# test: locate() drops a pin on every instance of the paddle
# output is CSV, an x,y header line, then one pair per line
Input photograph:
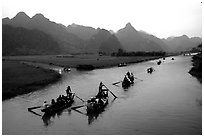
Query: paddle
x,y
138,78
34,113
80,112
117,82
79,98
111,92
78,106
29,109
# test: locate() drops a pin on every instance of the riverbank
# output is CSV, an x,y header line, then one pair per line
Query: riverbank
x,y
196,70
18,79
73,61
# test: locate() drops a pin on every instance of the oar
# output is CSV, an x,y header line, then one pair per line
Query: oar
x,y
29,109
34,113
78,106
79,98
138,78
80,112
111,92
117,82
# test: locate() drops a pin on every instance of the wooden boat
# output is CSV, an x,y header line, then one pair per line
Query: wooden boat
x,y
150,70
58,106
67,69
128,81
97,103
94,107
122,64
159,62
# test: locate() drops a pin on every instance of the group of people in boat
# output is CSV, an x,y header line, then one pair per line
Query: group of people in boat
x,y
61,100
100,99
128,79
150,70
159,62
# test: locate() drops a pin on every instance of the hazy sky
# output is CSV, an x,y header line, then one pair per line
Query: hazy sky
x,y
162,18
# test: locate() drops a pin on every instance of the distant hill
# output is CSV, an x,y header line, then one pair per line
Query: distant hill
x,y
81,39
196,40
132,40
68,42
82,32
21,41
153,38
103,41
110,45
182,43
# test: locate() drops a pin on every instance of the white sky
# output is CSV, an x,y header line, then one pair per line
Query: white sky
x,y
162,18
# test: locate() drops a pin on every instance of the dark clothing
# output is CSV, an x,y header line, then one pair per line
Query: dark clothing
x,y
68,91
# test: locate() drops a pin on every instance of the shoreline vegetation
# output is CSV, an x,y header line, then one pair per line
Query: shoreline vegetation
x,y
196,70
18,79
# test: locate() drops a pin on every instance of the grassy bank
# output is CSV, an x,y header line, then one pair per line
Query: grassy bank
x,y
18,79
73,61
196,70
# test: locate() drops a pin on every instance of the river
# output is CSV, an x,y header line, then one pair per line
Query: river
x,y
168,101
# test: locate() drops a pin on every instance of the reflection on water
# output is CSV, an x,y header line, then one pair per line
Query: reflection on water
x,y
48,119
169,101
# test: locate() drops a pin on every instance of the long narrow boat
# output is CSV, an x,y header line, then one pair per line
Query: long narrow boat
x,y
159,62
127,81
97,103
58,106
150,70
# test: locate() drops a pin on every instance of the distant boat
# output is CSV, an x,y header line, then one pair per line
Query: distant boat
x,y
122,64
159,62
150,70
67,69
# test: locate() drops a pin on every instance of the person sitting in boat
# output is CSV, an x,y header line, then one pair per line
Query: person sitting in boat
x,y
100,86
59,99
132,77
128,74
126,79
96,100
105,93
101,91
101,102
53,102
68,91
63,99
45,104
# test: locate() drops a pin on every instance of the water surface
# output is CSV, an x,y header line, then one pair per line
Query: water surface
x,y
168,101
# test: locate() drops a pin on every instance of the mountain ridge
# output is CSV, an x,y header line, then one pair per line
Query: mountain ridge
x,y
79,39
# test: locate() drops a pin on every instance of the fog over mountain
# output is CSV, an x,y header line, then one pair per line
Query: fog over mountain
x,y
103,41
80,39
182,43
132,40
82,32
153,38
